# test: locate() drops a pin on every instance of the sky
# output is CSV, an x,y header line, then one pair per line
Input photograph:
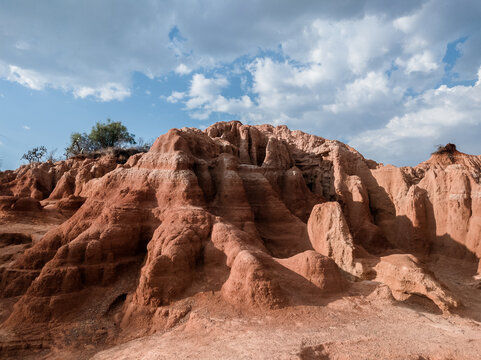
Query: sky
x,y
393,79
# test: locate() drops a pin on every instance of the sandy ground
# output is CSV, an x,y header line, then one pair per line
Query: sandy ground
x,y
348,328
363,323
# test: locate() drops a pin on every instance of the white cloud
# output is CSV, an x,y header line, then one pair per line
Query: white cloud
x,y
26,127
350,69
283,92
204,97
25,77
107,92
90,48
175,97
204,90
423,62
345,47
405,23
89,45
372,90
370,75
36,81
183,69
437,116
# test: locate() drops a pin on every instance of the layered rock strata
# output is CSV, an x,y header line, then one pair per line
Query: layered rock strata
x,y
266,216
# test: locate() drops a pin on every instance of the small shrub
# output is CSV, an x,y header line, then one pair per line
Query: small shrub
x,y
52,157
447,149
35,155
79,144
143,145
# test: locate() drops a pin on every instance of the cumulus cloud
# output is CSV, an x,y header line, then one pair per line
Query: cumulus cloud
x,y
204,98
204,90
84,47
438,116
183,69
356,70
370,91
374,80
25,77
423,62
89,49
107,92
175,97
37,81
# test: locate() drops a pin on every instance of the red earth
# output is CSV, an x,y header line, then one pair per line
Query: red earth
x,y
252,242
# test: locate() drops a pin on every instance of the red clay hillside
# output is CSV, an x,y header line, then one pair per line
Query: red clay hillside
x,y
235,226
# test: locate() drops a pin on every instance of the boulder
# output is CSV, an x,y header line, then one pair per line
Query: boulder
x,y
330,236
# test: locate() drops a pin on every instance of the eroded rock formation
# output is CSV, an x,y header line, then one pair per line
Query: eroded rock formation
x,y
330,236
266,216
405,276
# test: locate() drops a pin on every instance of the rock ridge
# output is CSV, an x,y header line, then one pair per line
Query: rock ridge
x,y
265,216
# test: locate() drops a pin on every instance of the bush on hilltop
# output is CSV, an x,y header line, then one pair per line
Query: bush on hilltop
x,y
102,136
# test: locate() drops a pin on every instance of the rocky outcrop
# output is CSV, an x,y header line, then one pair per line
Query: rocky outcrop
x,y
54,180
405,277
258,280
330,236
433,207
262,215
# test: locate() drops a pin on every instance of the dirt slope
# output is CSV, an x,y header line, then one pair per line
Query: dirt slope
x,y
268,224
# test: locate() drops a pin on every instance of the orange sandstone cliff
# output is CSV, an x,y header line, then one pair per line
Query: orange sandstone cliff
x,y
261,217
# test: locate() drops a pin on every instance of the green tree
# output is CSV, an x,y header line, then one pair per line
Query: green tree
x,y
102,136
110,134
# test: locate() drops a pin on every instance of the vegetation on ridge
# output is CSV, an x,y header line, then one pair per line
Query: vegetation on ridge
x,y
104,137
447,149
35,155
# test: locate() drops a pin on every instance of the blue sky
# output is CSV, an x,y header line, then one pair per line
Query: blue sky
x,y
392,79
